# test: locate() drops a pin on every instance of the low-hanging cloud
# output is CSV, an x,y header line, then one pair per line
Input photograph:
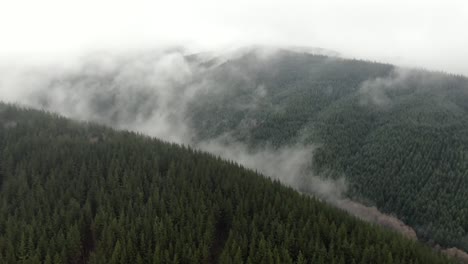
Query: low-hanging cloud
x,y
375,91
151,93
412,33
404,84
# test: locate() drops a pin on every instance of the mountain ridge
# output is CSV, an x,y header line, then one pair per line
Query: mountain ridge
x,y
383,128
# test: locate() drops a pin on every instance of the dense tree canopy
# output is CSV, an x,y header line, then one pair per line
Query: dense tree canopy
x,y
398,135
80,193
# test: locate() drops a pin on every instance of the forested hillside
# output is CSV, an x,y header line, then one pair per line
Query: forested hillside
x,y
398,137
80,193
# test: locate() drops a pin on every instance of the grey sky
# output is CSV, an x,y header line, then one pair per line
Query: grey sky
x,y
430,34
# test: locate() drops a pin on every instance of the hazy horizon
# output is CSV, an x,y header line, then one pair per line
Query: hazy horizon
x,y
421,34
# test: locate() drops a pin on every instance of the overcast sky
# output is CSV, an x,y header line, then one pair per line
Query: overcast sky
x,y
430,34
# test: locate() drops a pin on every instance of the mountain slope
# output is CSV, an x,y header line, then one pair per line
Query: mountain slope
x,y
397,137
80,193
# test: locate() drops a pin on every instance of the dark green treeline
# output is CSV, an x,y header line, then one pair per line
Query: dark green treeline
x,y
81,193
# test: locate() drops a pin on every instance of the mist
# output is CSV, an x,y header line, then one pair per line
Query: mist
x,y
143,65
425,34
150,92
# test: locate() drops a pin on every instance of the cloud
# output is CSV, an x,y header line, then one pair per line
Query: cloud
x,y
150,93
410,33
375,91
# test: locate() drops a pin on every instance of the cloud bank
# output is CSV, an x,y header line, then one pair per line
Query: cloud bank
x,y
151,92
411,33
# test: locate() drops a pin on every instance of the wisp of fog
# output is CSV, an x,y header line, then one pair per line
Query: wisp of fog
x,y
150,92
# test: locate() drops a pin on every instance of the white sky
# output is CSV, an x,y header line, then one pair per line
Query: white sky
x,y
430,34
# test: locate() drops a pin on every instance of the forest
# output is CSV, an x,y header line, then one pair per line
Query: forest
x,y
398,136
78,192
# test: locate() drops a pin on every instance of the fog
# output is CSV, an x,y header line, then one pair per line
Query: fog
x,y
427,34
374,91
109,62
150,93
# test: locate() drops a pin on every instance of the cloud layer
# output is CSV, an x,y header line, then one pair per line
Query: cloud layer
x,y
413,33
151,92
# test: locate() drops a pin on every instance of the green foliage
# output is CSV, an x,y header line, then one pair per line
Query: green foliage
x,y
81,193
399,136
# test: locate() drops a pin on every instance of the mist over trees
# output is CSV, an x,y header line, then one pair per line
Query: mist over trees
x,y
396,137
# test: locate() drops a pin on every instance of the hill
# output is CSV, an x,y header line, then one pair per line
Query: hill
x,y
399,136
76,192
385,136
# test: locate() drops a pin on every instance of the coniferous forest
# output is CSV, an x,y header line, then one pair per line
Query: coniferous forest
x,y
75,192
399,136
